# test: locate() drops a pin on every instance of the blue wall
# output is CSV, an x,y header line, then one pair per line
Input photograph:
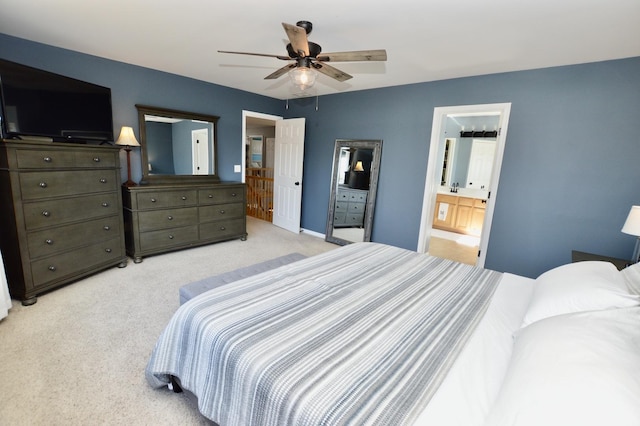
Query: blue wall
x,y
571,163
571,168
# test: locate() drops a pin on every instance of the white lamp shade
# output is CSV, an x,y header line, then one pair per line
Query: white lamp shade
x,y
303,77
127,137
632,224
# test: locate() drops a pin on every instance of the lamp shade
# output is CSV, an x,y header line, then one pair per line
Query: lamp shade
x,y
358,167
303,77
127,138
632,224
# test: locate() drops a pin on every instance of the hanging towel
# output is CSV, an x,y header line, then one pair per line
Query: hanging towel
x,y
442,211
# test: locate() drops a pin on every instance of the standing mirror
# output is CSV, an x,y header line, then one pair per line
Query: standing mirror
x,y
354,181
177,145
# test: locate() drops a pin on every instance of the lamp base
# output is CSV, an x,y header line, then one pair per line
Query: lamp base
x,y
129,182
635,258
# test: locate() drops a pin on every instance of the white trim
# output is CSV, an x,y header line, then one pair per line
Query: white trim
x,y
432,181
313,233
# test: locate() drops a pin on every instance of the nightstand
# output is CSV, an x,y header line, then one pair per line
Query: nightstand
x,y
579,256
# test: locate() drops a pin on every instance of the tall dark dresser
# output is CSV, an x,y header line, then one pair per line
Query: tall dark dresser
x,y
60,214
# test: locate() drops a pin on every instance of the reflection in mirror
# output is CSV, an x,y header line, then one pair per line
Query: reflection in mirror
x,y
177,145
354,182
468,154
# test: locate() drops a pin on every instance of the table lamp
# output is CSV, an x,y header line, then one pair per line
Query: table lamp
x,y
127,139
632,227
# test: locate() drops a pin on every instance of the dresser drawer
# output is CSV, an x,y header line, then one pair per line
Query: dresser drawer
x,y
221,211
36,185
53,240
221,195
163,199
354,219
168,218
70,263
342,207
57,159
47,213
356,208
166,238
222,229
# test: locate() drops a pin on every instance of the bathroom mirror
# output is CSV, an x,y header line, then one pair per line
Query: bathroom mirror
x,y
468,155
354,182
177,145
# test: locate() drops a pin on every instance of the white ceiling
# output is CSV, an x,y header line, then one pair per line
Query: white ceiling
x,y
426,40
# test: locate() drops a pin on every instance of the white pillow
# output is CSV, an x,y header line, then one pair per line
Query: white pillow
x,y
575,369
632,276
575,287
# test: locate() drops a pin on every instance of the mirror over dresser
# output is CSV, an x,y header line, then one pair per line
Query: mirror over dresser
x,y
180,202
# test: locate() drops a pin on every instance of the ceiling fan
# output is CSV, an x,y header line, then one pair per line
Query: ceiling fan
x,y
307,56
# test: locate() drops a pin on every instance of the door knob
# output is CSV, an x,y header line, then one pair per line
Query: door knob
x,y
297,184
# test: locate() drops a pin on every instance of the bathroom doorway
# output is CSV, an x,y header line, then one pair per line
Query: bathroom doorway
x,y
451,200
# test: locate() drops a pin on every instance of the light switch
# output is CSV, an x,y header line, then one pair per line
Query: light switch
x,y
237,168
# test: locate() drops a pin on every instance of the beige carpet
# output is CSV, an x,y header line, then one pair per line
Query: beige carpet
x,y
77,357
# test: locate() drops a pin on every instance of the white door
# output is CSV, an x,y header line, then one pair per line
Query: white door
x,y
287,174
481,164
200,151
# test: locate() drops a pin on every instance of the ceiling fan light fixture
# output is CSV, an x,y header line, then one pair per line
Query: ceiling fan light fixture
x,y
303,77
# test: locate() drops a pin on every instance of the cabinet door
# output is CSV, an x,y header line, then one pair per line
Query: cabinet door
x,y
477,220
463,217
445,212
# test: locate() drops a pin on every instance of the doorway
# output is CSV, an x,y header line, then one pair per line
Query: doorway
x,y
441,196
258,135
275,188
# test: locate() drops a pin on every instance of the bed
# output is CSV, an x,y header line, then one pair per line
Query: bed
x,y
373,334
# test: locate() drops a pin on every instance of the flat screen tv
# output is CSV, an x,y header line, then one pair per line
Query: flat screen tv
x,y
43,104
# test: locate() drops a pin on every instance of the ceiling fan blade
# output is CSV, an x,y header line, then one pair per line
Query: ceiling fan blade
x,y
298,38
357,55
331,71
280,72
284,58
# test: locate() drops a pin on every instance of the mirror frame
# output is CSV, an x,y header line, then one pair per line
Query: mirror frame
x,y
376,146
172,113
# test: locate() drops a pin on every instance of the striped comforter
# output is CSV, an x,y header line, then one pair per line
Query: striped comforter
x,y
362,334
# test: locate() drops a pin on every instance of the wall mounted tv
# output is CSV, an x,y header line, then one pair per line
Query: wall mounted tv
x,y
43,104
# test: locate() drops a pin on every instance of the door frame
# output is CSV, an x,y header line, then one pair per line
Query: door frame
x,y
434,170
252,114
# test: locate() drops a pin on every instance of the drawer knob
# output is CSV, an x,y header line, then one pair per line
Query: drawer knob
x,y
233,194
47,159
105,204
52,268
48,241
210,195
106,228
183,198
222,228
103,180
170,217
221,211
43,184
153,200
46,213
107,250
170,237
96,159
